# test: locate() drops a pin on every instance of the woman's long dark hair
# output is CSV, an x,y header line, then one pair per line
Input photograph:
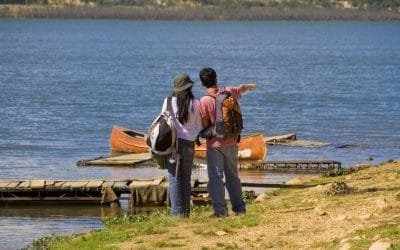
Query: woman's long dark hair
x,y
183,100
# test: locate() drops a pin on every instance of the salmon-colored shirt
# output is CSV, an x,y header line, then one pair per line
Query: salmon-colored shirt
x,y
207,112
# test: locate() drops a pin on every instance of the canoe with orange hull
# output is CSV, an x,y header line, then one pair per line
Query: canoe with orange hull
x,y
123,140
250,147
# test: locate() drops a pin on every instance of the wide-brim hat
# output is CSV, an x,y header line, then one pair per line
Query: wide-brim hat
x,y
182,82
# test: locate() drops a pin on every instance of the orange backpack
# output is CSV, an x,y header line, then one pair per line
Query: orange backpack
x,y
228,122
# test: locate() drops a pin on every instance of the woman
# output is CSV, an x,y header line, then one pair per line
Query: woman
x,y
186,109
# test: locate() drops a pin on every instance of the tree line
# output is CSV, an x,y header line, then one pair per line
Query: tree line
x,y
388,5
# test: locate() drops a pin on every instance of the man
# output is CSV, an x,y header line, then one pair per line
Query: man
x,y
222,154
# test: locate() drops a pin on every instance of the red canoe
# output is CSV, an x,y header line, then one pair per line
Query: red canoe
x,y
123,140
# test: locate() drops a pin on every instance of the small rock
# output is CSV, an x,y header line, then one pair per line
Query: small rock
x,y
357,238
344,241
298,180
341,218
309,200
319,211
382,204
380,245
345,246
365,216
398,196
221,233
377,237
261,197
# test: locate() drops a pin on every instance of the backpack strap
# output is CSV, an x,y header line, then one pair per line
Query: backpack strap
x,y
175,154
169,104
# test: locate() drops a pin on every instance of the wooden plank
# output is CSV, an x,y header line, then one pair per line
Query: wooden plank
x,y
146,182
94,184
122,160
120,184
72,184
37,184
108,184
58,184
279,138
4,184
78,184
24,184
13,184
303,143
49,183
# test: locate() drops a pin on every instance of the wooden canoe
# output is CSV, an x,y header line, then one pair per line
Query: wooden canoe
x,y
251,147
124,140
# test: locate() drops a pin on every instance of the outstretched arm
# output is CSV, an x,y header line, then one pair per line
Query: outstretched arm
x,y
247,87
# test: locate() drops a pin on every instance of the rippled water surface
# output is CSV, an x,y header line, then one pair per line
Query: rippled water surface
x,y
64,83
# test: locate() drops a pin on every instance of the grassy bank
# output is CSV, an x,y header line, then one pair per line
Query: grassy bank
x,y
191,13
351,211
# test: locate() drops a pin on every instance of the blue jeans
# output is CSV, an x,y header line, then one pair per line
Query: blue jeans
x,y
179,186
222,161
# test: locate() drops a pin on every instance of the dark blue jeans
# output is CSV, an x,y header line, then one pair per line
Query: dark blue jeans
x,y
223,161
180,185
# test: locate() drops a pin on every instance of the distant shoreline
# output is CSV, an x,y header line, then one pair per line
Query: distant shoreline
x,y
193,13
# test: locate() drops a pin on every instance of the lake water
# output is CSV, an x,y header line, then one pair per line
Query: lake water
x,y
65,83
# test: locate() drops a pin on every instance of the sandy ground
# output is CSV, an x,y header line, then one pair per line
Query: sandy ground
x,y
321,217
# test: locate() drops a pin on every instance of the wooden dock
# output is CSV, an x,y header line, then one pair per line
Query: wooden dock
x,y
291,140
128,160
141,192
293,165
100,192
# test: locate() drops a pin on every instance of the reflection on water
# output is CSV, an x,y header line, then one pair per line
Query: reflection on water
x,y
59,211
28,223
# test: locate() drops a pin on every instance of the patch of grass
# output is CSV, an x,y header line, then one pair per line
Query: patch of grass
x,y
326,245
209,226
228,224
249,196
198,213
390,231
119,229
260,238
205,232
94,240
223,245
166,244
278,192
175,237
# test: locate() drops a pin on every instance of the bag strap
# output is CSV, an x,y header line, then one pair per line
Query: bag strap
x,y
174,152
169,104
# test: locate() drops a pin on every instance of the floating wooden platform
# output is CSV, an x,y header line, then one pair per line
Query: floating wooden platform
x,y
291,140
82,191
121,160
293,165
130,160
142,192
